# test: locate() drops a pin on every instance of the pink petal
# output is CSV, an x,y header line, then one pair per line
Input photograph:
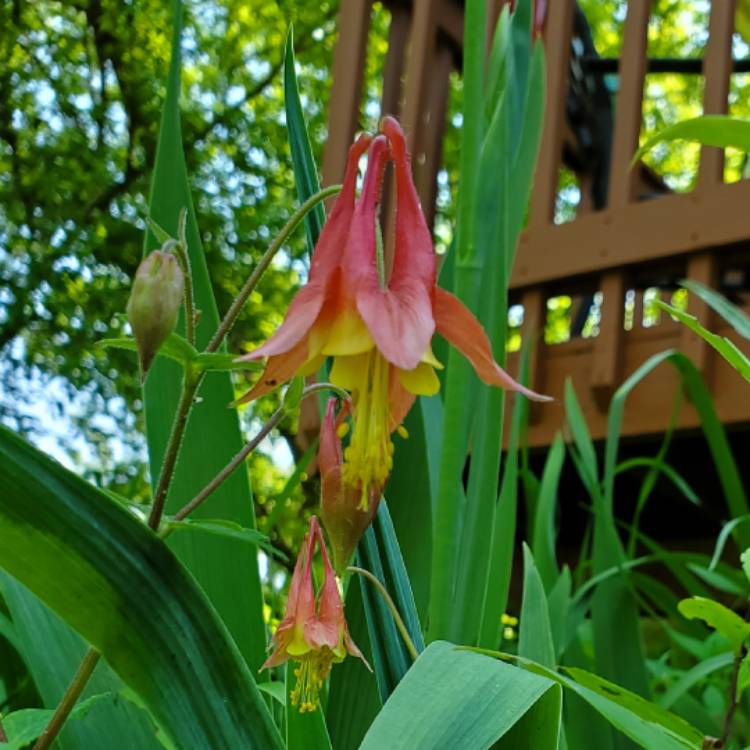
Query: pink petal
x,y
457,324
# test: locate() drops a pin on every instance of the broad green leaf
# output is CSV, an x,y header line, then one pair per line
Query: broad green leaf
x,y
723,345
642,721
745,560
735,316
718,617
466,700
175,347
535,637
117,583
226,569
24,726
227,529
218,361
709,130
743,676
52,666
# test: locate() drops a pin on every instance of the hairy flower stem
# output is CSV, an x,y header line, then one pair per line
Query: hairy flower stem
x,y
411,648
246,450
85,670
252,280
184,258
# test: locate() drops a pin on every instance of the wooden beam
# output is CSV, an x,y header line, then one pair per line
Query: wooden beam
x,y
607,357
640,232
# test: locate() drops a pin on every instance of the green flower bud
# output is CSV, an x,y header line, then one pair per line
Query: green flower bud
x,y
154,303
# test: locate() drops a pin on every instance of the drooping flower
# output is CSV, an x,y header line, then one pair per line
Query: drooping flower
x,y
313,632
377,328
340,511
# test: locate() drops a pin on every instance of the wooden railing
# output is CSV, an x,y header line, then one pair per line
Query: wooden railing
x,y
630,244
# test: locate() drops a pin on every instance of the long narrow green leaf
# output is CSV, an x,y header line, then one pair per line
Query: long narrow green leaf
x,y
724,346
304,731
710,130
544,540
735,316
303,163
447,523
693,676
226,569
119,585
535,637
465,700
378,552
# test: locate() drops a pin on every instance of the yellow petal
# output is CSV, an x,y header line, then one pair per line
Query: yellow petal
x,y
312,365
429,358
421,381
347,335
347,372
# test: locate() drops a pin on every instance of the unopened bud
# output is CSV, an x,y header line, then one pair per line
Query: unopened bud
x,y
154,303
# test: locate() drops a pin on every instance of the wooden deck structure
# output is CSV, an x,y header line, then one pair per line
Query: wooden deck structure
x,y
631,244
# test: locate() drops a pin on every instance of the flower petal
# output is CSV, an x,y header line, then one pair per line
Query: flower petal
x,y
399,399
278,370
421,381
456,323
414,255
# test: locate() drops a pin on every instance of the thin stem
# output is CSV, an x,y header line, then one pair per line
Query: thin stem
x,y
739,656
274,247
247,449
189,389
389,602
72,694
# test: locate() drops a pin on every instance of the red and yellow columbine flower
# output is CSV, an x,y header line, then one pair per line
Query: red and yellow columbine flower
x,y
378,330
340,503
313,632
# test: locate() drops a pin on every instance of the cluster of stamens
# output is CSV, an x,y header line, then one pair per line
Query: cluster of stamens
x,y
311,672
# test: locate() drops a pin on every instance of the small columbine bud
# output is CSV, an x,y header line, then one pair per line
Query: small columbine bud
x,y
313,632
154,303
344,517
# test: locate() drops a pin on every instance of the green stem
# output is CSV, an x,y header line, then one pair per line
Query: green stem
x,y
72,694
189,388
3,736
727,730
391,606
252,280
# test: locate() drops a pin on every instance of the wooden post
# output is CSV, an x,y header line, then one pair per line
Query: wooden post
x,y
717,67
557,33
608,346
346,91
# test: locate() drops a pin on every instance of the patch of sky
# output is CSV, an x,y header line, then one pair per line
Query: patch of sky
x,y
235,95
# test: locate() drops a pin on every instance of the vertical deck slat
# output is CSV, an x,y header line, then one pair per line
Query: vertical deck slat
x,y
632,71
717,68
346,92
532,336
557,33
398,37
609,344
